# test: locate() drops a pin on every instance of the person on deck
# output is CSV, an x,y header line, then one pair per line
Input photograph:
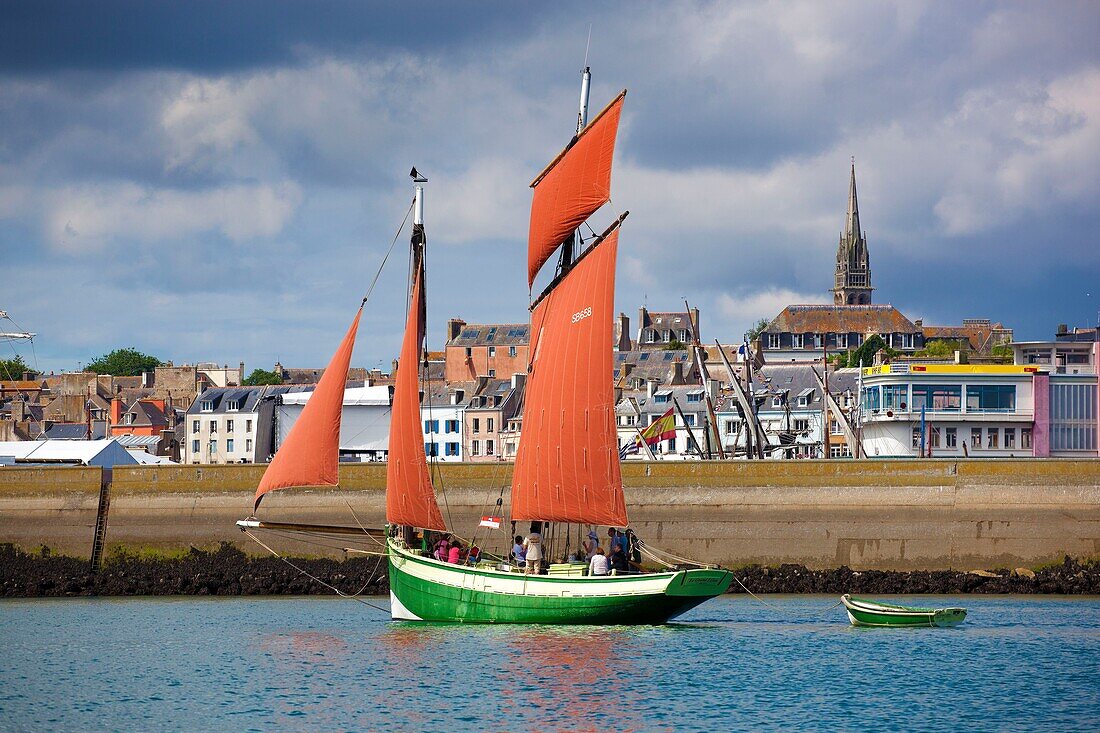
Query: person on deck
x,y
533,545
519,552
617,539
454,554
619,562
598,564
442,549
590,545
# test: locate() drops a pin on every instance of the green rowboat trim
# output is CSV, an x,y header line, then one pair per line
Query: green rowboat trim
x,y
862,612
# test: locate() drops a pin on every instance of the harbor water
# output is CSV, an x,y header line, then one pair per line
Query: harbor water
x,y
248,664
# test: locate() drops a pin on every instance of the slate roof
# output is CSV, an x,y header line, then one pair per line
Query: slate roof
x,y
66,431
492,334
980,336
247,396
841,319
792,380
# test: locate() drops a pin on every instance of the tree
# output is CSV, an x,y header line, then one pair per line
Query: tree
x,y
675,345
940,348
757,329
123,363
865,354
260,377
13,368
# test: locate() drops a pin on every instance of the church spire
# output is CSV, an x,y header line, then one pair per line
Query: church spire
x,y
851,224
852,284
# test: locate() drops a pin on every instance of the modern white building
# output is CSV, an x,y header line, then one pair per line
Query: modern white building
x,y
364,424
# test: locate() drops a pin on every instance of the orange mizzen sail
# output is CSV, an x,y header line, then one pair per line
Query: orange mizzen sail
x,y
567,468
310,455
572,187
410,498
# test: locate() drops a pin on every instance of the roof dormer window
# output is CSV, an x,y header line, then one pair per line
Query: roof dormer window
x,y
207,406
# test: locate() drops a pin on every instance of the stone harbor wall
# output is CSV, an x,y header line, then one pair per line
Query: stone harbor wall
x,y
866,515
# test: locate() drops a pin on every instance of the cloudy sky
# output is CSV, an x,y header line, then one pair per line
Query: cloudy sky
x,y
219,181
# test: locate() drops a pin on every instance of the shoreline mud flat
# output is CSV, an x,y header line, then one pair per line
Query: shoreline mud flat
x,y
228,571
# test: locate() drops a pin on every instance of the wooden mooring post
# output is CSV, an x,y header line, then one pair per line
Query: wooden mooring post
x,y
100,535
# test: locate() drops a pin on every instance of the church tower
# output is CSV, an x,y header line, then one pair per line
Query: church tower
x,y
853,265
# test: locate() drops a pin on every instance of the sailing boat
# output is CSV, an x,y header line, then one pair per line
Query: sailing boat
x,y
567,467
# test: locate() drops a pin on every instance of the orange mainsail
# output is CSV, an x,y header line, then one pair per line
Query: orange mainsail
x,y
410,498
572,187
567,467
310,455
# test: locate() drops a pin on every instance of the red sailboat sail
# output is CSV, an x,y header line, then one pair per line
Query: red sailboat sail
x,y
410,498
567,467
572,187
310,455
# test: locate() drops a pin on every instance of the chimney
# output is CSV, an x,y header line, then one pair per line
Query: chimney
x,y
919,323
454,327
146,380
18,411
694,315
677,373
627,369
643,316
240,373
650,388
482,380
518,380
1063,329
116,410
624,333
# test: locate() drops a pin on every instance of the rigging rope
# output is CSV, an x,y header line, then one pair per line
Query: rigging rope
x,y
378,274
337,591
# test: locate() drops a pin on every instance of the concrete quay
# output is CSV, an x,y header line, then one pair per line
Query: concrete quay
x,y
887,515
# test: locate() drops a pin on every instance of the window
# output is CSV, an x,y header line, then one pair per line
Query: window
x,y
934,436
469,352
207,405
233,405
213,426
842,340
492,373
194,446
650,336
992,435
229,426
194,426
773,340
450,426
248,445
916,438
798,340
1010,438
229,445
818,340
894,396
839,451
512,351
431,450
248,426
689,419
907,341
951,438
975,438
671,445
451,449
695,397
801,425
805,397
475,448
731,427
990,397
1025,438
488,424
213,447
477,427
937,397
683,336
834,427
128,418
660,398
492,351
871,399
666,336
431,426
488,447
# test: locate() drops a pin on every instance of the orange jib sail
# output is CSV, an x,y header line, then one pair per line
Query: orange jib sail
x,y
567,468
572,187
310,455
410,498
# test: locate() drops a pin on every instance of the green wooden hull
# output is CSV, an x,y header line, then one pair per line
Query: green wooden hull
x,y
862,612
422,589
